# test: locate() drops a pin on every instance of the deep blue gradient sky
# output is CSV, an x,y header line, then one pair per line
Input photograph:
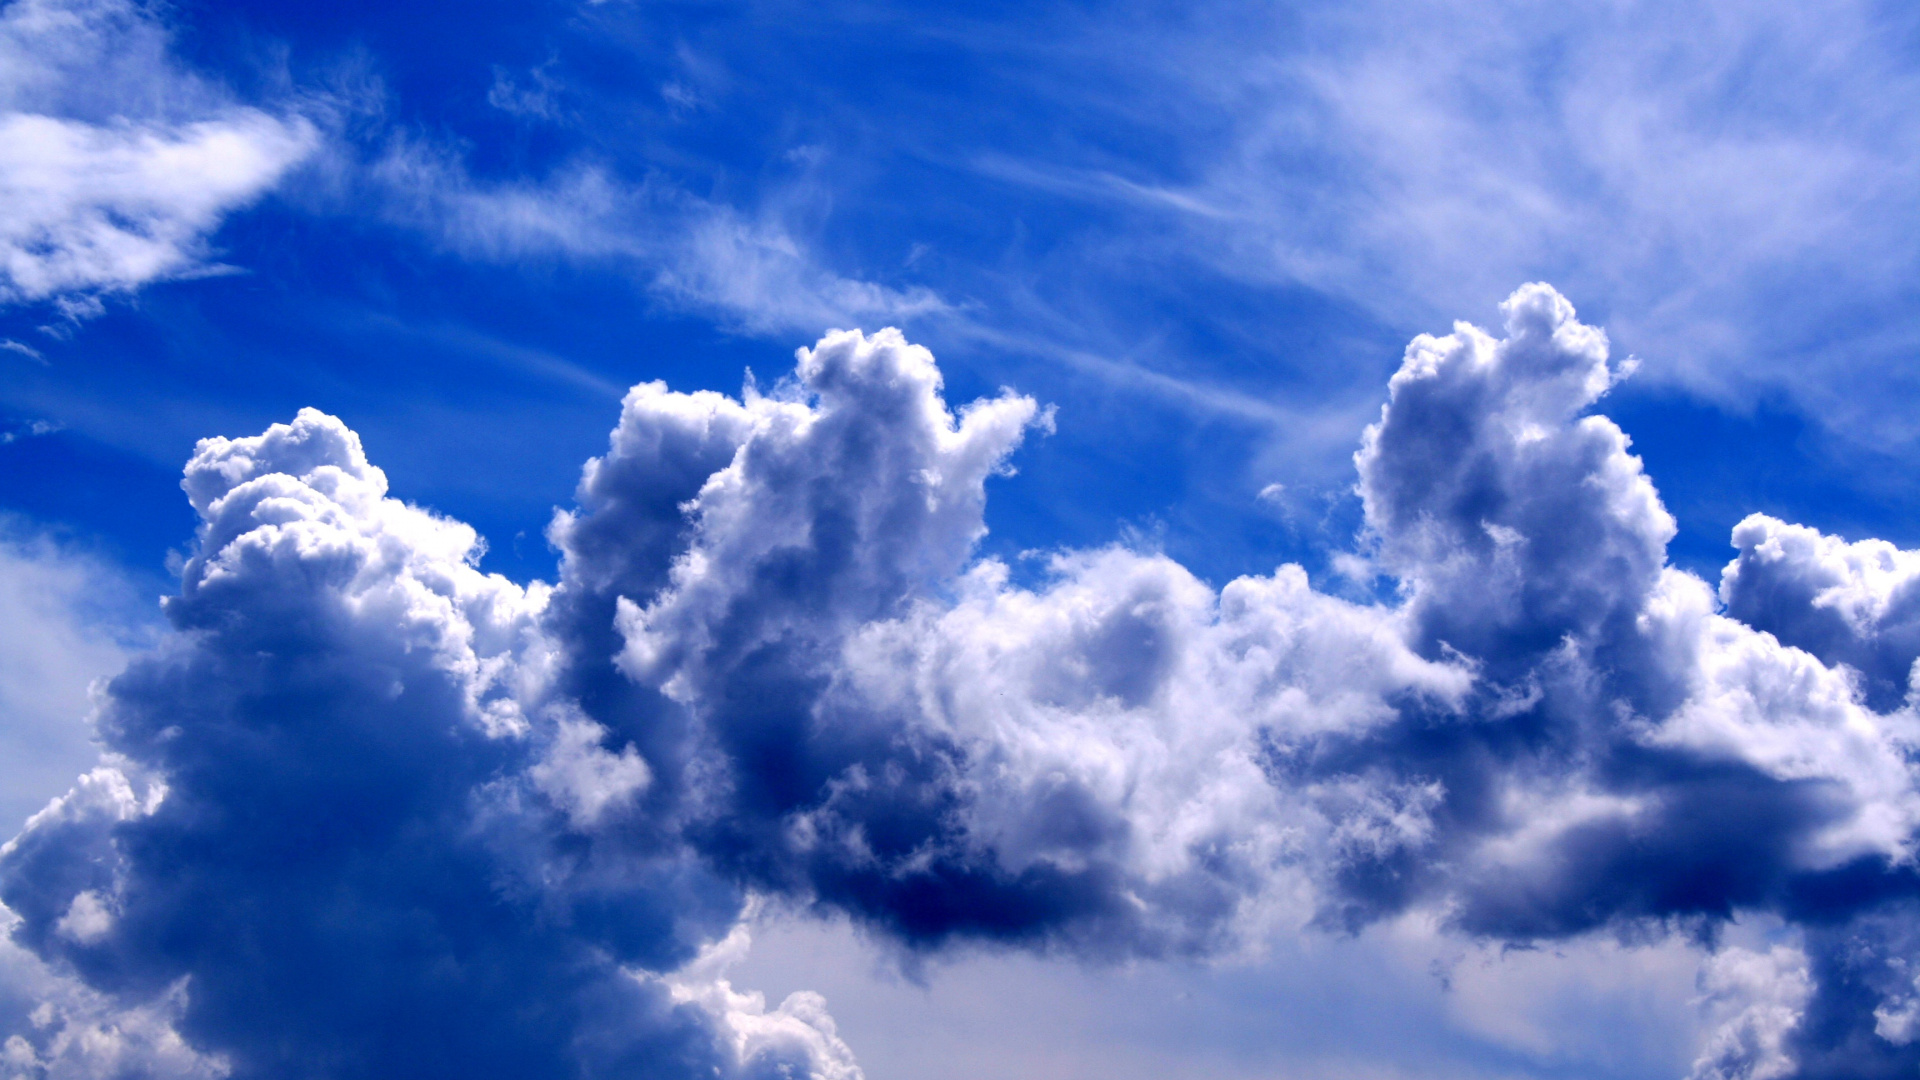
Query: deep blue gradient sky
x,y
1198,239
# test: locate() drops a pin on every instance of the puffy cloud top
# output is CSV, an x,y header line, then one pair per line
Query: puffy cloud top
x,y
369,810
1855,604
338,799
1513,520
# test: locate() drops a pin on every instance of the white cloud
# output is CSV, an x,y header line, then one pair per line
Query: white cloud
x,y
1102,730
583,778
537,97
73,1032
100,208
1855,604
751,271
1721,176
344,691
60,1028
1133,761
1897,1020
1782,711
116,165
775,664
1761,997
66,620
22,349
1511,519
798,1039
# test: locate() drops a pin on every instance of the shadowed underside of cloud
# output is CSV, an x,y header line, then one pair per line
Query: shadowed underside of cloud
x,y
334,809
371,811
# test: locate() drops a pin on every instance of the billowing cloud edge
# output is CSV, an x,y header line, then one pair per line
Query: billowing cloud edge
x,y
774,666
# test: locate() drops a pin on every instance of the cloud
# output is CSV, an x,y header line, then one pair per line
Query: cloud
x,y
530,817
60,1027
805,627
332,763
1555,734
769,1041
22,349
116,164
1718,176
537,101
1855,604
1513,521
1764,993
67,619
93,208
690,252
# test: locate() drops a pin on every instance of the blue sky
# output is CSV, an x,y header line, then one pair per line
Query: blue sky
x,y
1221,225
1183,249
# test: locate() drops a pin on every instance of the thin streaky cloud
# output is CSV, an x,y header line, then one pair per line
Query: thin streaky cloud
x,y
686,251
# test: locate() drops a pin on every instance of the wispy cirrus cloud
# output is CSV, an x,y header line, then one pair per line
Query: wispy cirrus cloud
x,y
751,271
1724,178
116,163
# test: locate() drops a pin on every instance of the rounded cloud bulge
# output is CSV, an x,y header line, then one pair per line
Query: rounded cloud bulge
x,y
368,810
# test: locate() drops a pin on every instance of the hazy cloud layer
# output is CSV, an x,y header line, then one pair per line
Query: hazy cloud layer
x,y
370,810
1740,159
67,618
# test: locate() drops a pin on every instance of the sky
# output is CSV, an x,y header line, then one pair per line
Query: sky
x,y
875,540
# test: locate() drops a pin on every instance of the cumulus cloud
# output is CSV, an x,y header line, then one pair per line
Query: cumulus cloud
x,y
1762,995
1553,734
1854,604
1514,522
936,751
61,1028
797,1038
116,165
328,800
530,817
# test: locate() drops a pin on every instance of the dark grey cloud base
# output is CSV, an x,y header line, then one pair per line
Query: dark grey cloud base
x,y
371,812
